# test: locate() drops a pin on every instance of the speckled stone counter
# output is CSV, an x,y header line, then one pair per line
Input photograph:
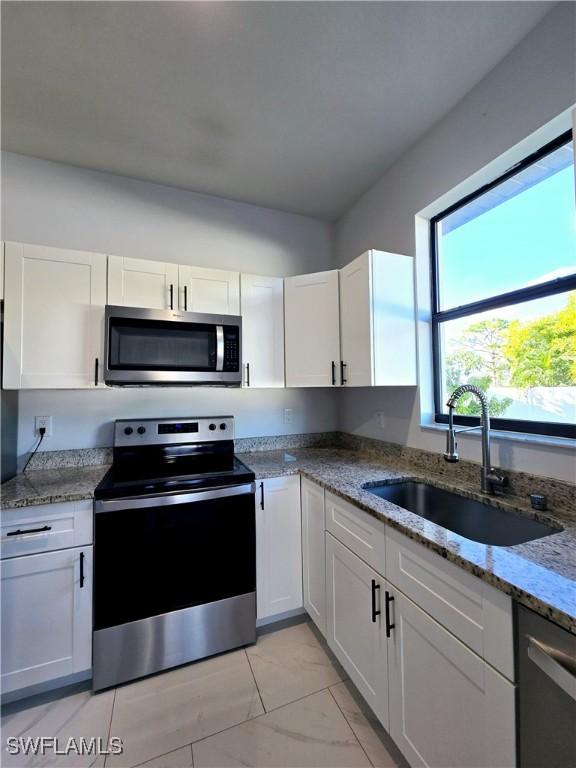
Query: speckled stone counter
x,y
540,574
49,486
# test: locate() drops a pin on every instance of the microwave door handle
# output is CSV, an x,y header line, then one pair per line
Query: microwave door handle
x,y
219,347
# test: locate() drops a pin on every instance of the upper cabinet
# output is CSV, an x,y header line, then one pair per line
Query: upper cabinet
x,y
262,304
53,317
312,330
216,291
142,283
377,321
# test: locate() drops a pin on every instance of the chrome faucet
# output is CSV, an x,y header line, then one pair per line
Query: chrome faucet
x,y
490,478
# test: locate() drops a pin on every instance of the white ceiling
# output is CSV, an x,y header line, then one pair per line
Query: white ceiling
x,y
299,106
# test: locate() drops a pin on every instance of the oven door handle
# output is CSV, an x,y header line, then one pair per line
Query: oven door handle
x,y
167,500
219,347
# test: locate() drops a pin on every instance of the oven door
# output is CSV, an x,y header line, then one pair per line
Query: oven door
x,y
147,347
157,555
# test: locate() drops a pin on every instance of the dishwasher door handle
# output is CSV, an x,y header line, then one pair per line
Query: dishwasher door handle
x,y
558,666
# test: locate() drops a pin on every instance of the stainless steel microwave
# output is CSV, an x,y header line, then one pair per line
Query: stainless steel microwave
x,y
147,347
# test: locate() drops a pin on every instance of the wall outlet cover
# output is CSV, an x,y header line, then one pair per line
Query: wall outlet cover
x,y
43,421
288,415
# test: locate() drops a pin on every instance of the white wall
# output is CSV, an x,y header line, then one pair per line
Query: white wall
x,y
69,207
530,87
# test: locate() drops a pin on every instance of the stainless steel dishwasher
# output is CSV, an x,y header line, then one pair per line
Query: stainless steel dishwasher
x,y
547,693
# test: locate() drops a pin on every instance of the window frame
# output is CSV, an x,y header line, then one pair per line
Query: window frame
x,y
438,316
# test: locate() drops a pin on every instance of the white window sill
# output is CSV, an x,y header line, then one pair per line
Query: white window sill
x,y
517,437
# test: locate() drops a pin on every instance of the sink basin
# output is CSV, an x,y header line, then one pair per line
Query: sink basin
x,y
466,517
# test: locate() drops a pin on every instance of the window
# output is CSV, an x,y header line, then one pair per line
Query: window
x,y
504,297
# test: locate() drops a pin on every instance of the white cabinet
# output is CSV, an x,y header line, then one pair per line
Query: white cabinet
x,y
142,283
377,321
278,546
363,534
313,552
215,291
53,317
312,330
262,307
355,623
46,616
447,706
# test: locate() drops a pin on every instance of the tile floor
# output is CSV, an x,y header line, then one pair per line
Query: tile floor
x,y
284,702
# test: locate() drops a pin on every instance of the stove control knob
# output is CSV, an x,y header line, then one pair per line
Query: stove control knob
x,y
141,430
212,427
128,430
222,426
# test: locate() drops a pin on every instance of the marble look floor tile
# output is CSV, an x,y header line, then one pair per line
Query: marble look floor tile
x,y
178,758
76,716
167,711
309,733
365,725
290,664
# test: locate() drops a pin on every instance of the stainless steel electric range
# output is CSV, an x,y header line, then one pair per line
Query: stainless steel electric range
x,y
174,548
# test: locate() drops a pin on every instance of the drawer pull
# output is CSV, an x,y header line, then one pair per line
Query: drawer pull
x,y
20,532
374,611
81,569
389,625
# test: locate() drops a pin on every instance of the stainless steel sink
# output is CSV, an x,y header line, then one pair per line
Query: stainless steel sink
x,y
466,517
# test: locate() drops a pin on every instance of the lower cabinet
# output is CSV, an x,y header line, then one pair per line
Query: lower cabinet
x,y
313,553
46,616
448,707
356,630
278,546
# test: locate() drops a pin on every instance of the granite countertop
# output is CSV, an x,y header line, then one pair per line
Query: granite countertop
x,y
540,574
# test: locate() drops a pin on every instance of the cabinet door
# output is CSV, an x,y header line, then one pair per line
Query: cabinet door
x,y
313,553
46,617
356,326
142,283
447,706
262,304
355,633
312,329
53,317
278,546
215,291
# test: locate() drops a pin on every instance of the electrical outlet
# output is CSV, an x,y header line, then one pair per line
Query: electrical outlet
x,y
287,415
43,421
381,417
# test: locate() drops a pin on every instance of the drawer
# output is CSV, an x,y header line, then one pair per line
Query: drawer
x,y
68,524
475,612
359,531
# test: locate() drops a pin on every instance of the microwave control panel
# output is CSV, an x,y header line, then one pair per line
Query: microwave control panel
x,y
231,349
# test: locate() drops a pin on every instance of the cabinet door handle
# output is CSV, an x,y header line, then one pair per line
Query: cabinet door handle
x,y
389,625
171,296
343,366
81,570
96,367
333,372
247,374
261,495
185,298
20,532
374,611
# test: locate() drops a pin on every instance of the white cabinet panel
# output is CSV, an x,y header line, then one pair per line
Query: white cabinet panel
x,y
358,641
377,320
313,552
447,706
53,317
46,617
278,546
363,534
477,613
142,283
216,291
45,527
262,306
312,330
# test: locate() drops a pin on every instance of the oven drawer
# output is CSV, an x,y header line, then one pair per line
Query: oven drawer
x,y
46,527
